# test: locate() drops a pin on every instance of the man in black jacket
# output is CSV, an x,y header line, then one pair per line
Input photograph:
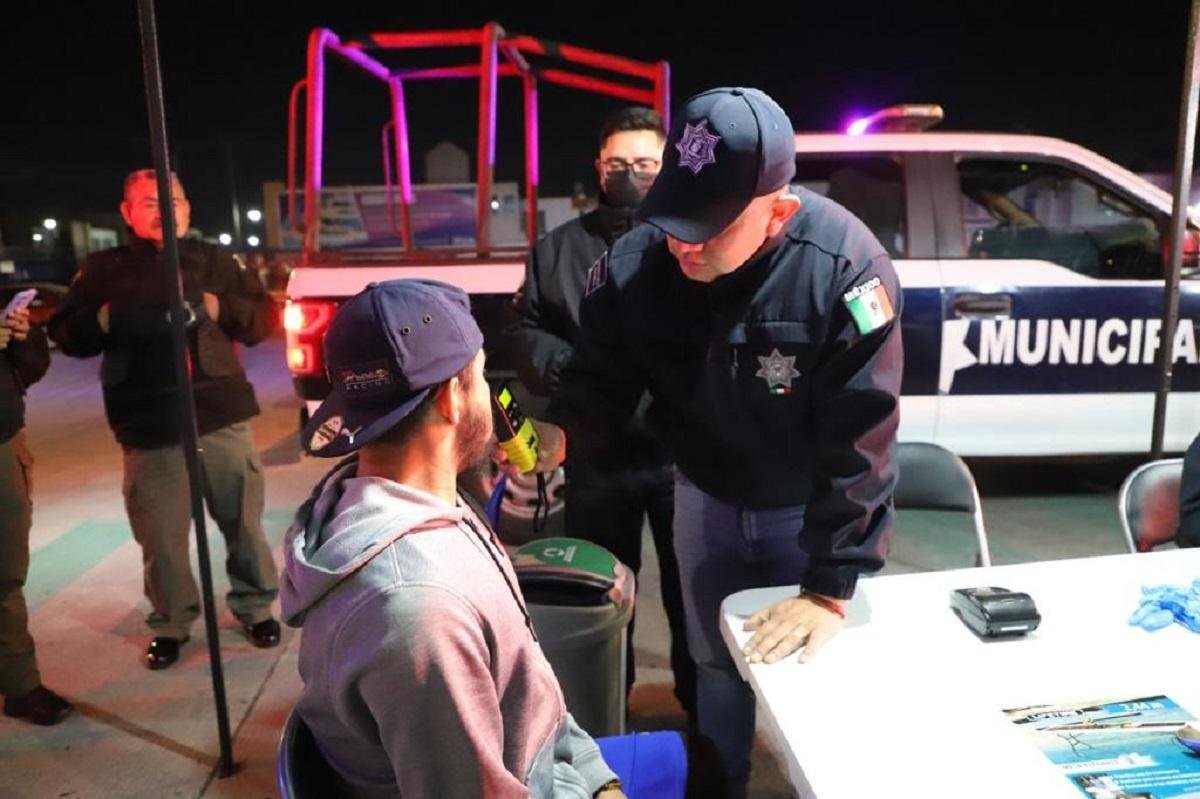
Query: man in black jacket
x,y
611,490
1188,534
117,305
24,358
765,324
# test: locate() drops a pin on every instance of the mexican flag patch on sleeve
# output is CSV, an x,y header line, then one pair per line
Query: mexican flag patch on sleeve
x,y
870,305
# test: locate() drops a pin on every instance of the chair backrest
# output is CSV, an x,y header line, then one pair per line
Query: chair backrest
x,y
301,770
1148,504
934,478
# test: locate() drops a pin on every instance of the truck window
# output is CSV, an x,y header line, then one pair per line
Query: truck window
x,y
870,187
1045,211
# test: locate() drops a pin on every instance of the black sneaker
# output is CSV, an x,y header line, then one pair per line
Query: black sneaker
x,y
162,652
263,634
41,706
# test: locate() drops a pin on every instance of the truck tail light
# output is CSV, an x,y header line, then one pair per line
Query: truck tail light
x,y
305,322
1191,249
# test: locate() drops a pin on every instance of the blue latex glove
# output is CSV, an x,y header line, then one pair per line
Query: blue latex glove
x,y
1163,604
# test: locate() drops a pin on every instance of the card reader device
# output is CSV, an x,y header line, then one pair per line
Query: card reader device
x,y
993,612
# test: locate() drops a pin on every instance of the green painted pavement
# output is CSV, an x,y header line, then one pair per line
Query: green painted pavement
x,y
57,564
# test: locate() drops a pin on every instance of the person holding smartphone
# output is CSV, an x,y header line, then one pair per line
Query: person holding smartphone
x,y
24,358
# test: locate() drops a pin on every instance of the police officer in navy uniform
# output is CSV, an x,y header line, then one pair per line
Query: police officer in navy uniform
x,y
764,322
1188,534
610,491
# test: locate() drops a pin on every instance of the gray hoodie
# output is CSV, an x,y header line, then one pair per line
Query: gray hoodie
x,y
422,676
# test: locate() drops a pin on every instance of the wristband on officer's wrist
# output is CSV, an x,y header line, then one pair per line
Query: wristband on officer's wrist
x,y
832,605
611,785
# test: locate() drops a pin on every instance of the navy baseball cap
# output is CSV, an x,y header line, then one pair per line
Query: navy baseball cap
x,y
727,146
386,348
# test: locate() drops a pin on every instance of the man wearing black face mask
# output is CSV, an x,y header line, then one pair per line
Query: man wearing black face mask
x,y
610,492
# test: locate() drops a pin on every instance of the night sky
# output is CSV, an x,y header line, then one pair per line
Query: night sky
x,y
72,103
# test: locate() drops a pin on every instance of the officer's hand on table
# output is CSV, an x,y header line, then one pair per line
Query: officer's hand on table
x,y
782,628
17,324
552,450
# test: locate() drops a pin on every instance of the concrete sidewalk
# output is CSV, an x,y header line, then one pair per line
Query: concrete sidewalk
x,y
139,733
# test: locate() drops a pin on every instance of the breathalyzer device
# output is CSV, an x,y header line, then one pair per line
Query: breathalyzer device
x,y
514,432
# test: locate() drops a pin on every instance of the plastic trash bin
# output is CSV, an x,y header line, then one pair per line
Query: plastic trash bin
x,y
580,598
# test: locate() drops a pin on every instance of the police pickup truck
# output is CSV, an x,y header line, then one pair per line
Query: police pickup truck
x,y
1032,272
1032,268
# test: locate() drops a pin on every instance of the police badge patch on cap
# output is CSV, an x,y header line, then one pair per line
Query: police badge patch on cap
x,y
697,147
326,433
597,276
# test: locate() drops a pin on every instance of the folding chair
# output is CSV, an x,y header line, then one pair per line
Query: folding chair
x,y
1148,504
934,478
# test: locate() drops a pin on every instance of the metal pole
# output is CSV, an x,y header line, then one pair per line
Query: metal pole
x,y
235,207
313,138
662,93
1184,154
187,411
485,154
532,168
403,161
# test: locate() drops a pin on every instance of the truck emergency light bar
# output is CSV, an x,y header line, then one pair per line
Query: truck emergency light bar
x,y
911,118
492,42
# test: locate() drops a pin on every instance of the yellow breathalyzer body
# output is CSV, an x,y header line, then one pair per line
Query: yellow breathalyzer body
x,y
514,432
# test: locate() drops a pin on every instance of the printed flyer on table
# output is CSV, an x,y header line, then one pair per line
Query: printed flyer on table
x,y
1135,748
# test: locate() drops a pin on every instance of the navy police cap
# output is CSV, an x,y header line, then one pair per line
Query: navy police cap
x,y
727,146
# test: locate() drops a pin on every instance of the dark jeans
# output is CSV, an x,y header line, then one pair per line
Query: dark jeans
x,y
724,549
607,507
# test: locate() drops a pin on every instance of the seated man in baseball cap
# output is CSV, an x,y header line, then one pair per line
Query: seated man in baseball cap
x,y
422,674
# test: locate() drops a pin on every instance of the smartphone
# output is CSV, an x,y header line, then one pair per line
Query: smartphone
x,y
19,300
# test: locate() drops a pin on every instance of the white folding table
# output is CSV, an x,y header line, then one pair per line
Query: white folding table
x,y
906,701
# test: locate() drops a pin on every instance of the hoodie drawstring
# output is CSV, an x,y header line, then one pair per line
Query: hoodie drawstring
x,y
490,546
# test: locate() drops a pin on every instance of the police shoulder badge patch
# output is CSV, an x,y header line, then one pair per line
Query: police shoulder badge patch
x,y
870,305
597,276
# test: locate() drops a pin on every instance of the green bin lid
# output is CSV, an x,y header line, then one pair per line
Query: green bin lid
x,y
571,561
567,555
